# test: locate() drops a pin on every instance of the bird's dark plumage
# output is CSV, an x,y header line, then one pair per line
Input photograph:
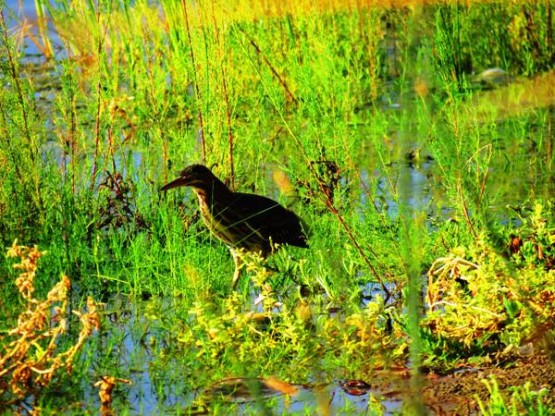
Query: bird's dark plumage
x,y
250,222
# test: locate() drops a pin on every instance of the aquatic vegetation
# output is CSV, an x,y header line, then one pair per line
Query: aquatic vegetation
x,y
523,399
415,139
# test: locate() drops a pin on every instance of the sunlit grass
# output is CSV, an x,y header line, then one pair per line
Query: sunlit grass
x,y
375,123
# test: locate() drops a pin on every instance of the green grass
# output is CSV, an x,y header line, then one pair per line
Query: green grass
x,y
319,110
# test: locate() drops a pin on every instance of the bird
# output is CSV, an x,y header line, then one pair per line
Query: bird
x,y
243,221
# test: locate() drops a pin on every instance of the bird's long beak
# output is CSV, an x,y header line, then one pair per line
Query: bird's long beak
x,y
181,181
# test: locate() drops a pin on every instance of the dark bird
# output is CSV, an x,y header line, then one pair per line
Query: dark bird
x,y
248,222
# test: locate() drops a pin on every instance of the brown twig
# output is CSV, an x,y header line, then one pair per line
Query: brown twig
x,y
27,130
334,211
484,178
331,206
466,211
269,64
226,99
98,109
549,34
195,86
531,30
72,130
15,78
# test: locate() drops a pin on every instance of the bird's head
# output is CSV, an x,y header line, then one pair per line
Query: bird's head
x,y
197,176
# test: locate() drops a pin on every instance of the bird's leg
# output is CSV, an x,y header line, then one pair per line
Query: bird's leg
x,y
238,264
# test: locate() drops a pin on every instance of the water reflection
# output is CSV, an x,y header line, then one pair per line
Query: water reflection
x,y
135,340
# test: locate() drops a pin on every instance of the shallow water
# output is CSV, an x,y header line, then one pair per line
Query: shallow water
x,y
136,341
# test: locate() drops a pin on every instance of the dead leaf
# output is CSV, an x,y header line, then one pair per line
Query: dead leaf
x,y
281,386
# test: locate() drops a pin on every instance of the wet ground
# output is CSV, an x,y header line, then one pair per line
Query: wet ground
x,y
390,391
457,393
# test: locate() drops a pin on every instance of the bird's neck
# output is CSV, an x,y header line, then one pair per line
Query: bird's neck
x,y
214,189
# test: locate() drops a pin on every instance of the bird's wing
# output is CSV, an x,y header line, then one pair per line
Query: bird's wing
x,y
270,219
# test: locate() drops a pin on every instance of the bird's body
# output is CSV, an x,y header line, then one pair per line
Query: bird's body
x,y
248,222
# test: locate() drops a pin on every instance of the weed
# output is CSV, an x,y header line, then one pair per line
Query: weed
x,y
31,354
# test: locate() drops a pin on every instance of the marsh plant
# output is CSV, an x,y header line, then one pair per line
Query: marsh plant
x,y
33,353
416,141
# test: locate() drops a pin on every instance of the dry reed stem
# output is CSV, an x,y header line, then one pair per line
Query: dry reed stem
x,y
30,353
